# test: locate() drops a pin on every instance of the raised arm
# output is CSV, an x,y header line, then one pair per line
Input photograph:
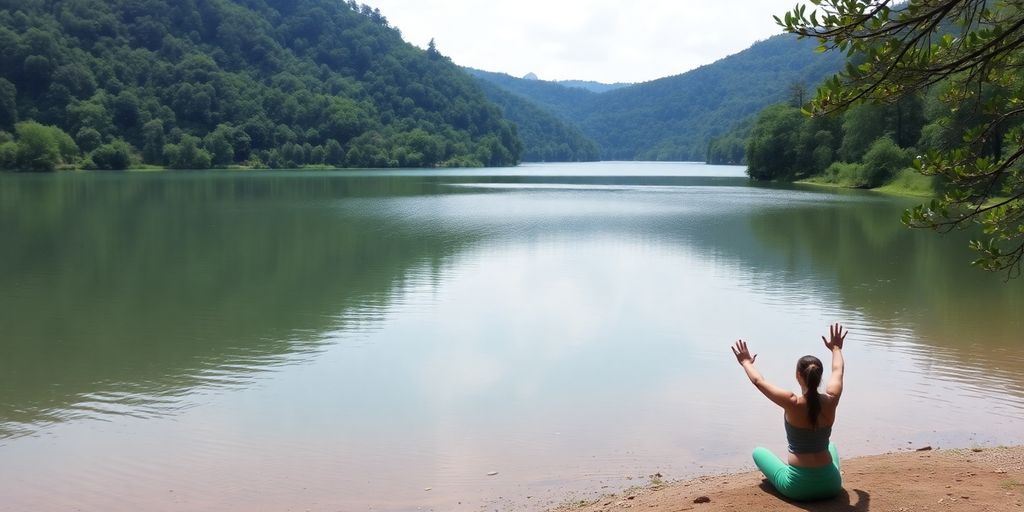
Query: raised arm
x,y
836,336
781,397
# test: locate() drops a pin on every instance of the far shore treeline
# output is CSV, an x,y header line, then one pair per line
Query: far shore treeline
x,y
109,84
867,146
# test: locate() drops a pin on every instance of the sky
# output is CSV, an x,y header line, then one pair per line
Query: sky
x,y
602,40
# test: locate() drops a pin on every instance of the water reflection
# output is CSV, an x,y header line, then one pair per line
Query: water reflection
x,y
908,285
385,333
122,294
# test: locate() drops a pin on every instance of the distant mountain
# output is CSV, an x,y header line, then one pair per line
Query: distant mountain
x,y
565,102
674,118
597,87
581,84
195,83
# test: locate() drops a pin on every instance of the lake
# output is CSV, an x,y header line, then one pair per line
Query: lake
x,y
385,340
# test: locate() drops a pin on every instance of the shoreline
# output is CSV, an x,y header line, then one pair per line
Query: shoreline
x,y
965,479
892,188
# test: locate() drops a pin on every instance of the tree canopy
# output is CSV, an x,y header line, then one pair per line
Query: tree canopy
x,y
967,54
277,83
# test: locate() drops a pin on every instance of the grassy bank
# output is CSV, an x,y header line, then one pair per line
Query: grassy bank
x,y
907,183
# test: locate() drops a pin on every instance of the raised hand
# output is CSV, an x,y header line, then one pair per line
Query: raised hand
x,y
742,353
836,336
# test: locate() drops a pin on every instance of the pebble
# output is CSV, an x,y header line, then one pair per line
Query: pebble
x,y
702,499
492,473
925,448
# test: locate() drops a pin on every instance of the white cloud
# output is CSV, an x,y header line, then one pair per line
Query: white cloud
x,y
603,40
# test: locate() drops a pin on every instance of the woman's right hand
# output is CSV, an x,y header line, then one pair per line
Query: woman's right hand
x,y
836,336
742,353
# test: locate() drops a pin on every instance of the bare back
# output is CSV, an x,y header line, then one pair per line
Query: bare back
x,y
796,415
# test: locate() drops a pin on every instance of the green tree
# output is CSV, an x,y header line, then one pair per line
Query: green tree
x,y
188,154
91,114
335,154
772,145
974,49
218,144
882,160
126,111
37,150
726,150
432,49
8,104
88,139
153,142
115,156
36,70
8,155
797,93
862,125
42,148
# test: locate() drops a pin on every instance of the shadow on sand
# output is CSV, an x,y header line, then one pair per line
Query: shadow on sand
x,y
859,501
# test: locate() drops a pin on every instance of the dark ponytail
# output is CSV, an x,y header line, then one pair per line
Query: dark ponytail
x,y
809,367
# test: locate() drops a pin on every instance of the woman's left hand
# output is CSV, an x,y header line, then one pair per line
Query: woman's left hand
x,y
742,353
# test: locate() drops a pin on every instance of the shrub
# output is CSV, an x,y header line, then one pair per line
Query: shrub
x,y
42,148
882,160
8,155
846,174
115,156
188,154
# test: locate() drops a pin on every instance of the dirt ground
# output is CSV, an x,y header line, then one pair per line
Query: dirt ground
x,y
989,479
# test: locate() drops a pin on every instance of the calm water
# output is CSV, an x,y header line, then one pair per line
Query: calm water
x,y
345,341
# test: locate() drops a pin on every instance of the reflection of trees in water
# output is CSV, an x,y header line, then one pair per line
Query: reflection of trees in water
x,y
900,277
121,295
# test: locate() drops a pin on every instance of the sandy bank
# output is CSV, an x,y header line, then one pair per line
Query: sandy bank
x,y
991,479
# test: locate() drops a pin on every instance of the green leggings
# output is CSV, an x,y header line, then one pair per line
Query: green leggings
x,y
797,483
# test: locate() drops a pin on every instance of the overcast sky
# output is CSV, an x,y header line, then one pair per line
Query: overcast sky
x,y
602,40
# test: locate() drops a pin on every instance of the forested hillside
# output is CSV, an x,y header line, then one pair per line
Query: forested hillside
x,y
545,137
200,83
563,101
675,118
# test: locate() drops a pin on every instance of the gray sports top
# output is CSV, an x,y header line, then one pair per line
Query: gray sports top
x,y
807,440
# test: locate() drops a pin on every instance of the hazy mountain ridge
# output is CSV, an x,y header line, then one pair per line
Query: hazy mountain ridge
x,y
674,118
565,102
598,87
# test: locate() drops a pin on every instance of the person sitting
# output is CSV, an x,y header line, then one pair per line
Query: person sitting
x,y
812,471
